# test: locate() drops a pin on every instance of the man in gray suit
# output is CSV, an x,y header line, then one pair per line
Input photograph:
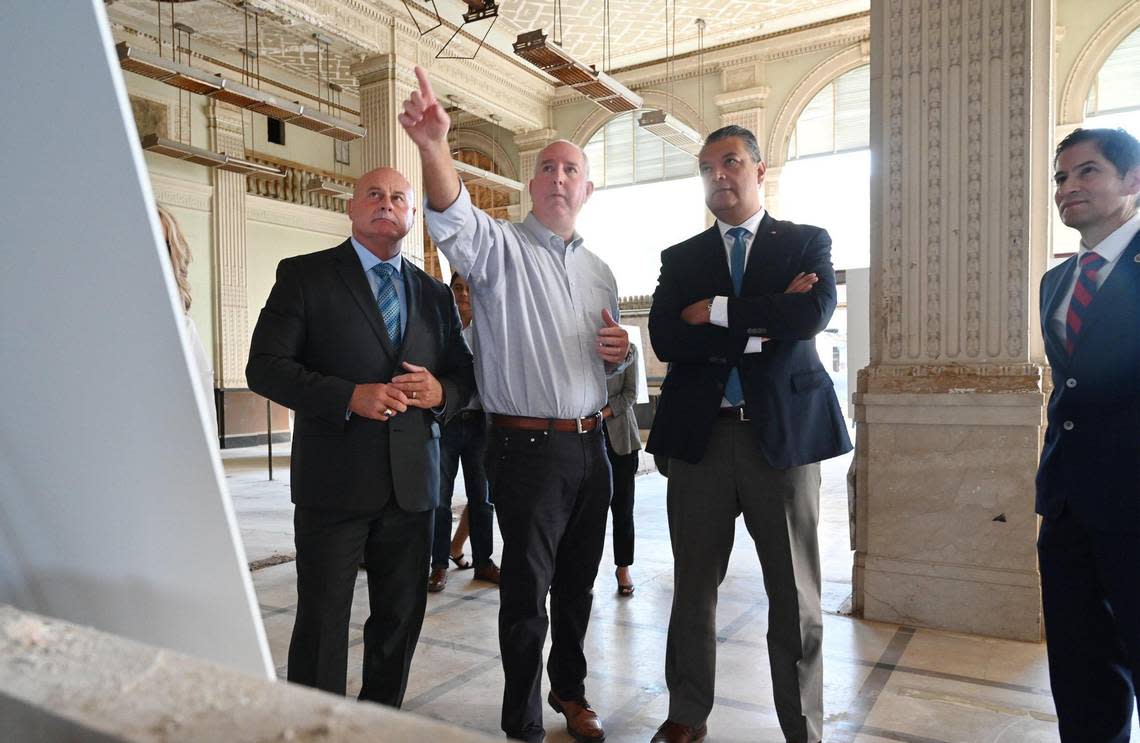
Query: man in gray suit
x,y
366,348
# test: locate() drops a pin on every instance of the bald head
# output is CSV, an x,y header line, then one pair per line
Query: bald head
x,y
561,185
560,144
381,210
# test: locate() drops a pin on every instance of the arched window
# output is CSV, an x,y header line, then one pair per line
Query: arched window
x,y
1115,93
648,196
825,179
622,153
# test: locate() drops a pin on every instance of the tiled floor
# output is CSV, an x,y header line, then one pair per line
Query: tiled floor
x,y
882,682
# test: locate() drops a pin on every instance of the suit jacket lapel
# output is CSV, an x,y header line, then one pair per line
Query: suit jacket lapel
x,y
1055,292
352,273
1118,286
713,254
762,258
412,291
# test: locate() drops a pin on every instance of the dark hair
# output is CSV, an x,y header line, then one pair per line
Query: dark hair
x,y
1118,147
744,135
454,275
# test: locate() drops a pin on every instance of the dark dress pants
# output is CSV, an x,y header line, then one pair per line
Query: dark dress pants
x,y
330,543
464,440
1090,589
552,494
624,468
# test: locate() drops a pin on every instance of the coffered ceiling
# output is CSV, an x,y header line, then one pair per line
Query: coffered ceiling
x,y
637,27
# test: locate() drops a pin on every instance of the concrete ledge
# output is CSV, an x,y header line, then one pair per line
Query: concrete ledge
x,y
59,681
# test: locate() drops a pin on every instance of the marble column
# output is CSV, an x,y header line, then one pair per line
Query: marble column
x,y
529,144
386,81
949,412
231,309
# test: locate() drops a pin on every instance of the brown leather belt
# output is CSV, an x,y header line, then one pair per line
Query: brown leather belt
x,y
736,413
563,425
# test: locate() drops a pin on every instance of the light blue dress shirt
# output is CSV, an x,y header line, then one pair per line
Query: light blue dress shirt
x,y
369,260
537,304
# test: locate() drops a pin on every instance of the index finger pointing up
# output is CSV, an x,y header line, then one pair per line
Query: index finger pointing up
x,y
425,86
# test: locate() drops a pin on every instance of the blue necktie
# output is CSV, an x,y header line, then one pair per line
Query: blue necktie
x,y
388,302
733,389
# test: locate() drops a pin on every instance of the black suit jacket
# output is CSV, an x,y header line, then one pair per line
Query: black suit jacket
x,y
319,335
788,394
1093,463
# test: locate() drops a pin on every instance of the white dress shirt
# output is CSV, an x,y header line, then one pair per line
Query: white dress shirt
x,y
1110,248
718,314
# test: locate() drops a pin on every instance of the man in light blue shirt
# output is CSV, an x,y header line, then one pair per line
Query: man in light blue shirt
x,y
547,339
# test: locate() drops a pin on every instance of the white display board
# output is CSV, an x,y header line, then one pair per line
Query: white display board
x,y
113,507
858,329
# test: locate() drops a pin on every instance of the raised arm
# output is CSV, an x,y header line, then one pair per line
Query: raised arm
x,y
427,123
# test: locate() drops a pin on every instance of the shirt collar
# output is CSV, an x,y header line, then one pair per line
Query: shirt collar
x,y
1112,246
752,224
546,237
369,260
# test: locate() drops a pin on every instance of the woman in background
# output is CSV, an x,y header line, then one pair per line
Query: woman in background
x,y
179,251
623,443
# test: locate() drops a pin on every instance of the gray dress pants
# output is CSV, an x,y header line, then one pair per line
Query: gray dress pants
x,y
781,512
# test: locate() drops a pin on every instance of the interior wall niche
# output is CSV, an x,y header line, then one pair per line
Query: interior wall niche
x,y
151,116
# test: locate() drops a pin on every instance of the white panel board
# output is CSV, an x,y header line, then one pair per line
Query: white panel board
x,y
113,508
858,329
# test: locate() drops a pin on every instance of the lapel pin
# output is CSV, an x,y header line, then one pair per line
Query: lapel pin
x,y
1136,258
773,232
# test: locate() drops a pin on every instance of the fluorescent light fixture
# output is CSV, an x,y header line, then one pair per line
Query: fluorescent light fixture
x,y
671,130
323,123
179,151
557,62
166,70
248,167
323,187
476,176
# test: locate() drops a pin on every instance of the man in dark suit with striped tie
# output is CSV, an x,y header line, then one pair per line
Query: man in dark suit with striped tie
x,y
1088,483
366,348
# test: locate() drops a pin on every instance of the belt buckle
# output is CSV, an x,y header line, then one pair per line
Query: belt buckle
x,y
578,421
743,418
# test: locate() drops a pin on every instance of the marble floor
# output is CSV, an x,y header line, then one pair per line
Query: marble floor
x,y
882,682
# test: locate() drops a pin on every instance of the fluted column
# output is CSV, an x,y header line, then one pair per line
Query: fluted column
x,y
949,411
231,335
386,81
530,144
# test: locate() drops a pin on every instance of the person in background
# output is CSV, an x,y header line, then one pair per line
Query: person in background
x,y
623,443
463,440
179,251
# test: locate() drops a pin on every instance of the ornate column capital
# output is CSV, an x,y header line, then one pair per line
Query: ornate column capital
x,y
535,139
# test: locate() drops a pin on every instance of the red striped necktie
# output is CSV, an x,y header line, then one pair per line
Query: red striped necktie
x,y
1083,293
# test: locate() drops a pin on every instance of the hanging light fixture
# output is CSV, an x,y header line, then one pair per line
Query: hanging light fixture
x,y
657,121
316,185
551,58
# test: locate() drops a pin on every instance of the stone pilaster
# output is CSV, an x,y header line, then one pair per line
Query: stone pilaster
x,y
386,81
530,144
949,413
231,309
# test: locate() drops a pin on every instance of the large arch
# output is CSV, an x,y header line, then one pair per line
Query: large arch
x,y
1071,104
486,144
659,99
853,56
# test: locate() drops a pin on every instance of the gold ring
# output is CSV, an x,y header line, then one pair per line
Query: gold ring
x,y
388,412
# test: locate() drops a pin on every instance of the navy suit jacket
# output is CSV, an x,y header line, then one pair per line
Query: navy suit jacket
x,y
319,335
788,394
1091,456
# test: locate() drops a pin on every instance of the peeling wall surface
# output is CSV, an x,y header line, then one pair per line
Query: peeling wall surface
x,y
113,511
63,682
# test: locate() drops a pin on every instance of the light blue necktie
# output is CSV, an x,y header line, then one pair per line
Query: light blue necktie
x,y
388,302
733,389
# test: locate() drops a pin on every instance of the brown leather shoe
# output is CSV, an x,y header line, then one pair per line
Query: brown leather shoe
x,y
487,571
675,732
581,721
437,580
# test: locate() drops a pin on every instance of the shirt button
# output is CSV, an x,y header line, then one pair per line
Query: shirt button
x,y
1070,383
1067,425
